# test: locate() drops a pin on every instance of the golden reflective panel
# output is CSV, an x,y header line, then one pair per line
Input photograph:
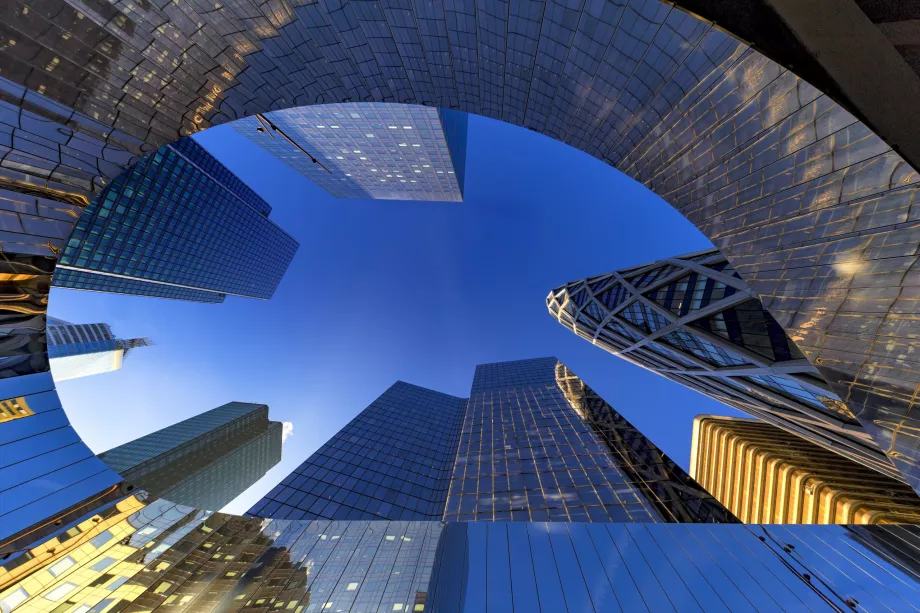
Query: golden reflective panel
x,y
768,476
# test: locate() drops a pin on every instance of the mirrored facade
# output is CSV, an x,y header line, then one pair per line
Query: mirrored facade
x,y
80,350
178,219
766,475
532,443
373,150
392,461
811,205
693,320
205,461
144,554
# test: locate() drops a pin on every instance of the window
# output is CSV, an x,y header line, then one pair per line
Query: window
x,y
60,591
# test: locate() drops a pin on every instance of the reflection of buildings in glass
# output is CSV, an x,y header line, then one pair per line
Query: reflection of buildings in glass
x,y
145,555
369,150
691,319
177,225
80,350
14,408
205,461
766,475
520,448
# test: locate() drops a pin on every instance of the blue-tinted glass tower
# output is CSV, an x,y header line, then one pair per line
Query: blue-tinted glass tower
x,y
205,461
177,225
532,443
369,150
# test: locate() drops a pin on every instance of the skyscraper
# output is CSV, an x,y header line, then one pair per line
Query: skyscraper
x,y
369,150
765,475
80,350
204,461
691,319
177,225
532,443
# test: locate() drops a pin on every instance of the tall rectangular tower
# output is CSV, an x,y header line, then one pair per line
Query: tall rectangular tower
x,y
369,150
80,350
392,461
205,461
532,443
766,475
177,225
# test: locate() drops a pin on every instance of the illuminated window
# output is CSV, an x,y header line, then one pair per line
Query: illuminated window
x,y
351,587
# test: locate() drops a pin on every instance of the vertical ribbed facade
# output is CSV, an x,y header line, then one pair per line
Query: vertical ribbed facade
x,y
767,476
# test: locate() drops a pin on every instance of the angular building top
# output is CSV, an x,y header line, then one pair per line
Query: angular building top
x,y
532,443
691,319
766,475
177,225
80,350
204,461
369,150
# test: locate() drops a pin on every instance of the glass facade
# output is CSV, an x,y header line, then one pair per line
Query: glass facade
x,y
538,445
181,220
369,150
532,443
813,208
693,320
392,461
80,350
141,554
205,461
92,282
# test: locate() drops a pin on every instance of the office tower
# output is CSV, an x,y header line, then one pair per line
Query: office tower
x,y
392,461
383,151
80,350
532,443
205,461
765,475
693,320
177,225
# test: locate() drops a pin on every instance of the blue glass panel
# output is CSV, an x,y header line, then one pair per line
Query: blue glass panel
x,y
476,581
499,569
602,595
549,587
522,570
573,582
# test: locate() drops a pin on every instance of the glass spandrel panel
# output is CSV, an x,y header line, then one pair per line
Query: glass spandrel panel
x,y
595,577
574,588
549,585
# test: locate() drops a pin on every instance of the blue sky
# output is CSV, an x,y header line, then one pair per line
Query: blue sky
x,y
386,290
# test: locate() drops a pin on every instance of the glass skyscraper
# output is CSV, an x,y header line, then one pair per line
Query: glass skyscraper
x,y
80,350
369,150
205,461
693,320
177,225
532,443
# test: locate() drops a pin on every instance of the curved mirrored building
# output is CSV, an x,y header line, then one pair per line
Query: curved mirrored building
x,y
145,554
804,180
693,320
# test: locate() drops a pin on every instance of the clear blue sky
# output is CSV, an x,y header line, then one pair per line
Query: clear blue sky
x,y
388,290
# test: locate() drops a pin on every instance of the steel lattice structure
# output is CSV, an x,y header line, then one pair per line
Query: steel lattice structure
x,y
693,320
